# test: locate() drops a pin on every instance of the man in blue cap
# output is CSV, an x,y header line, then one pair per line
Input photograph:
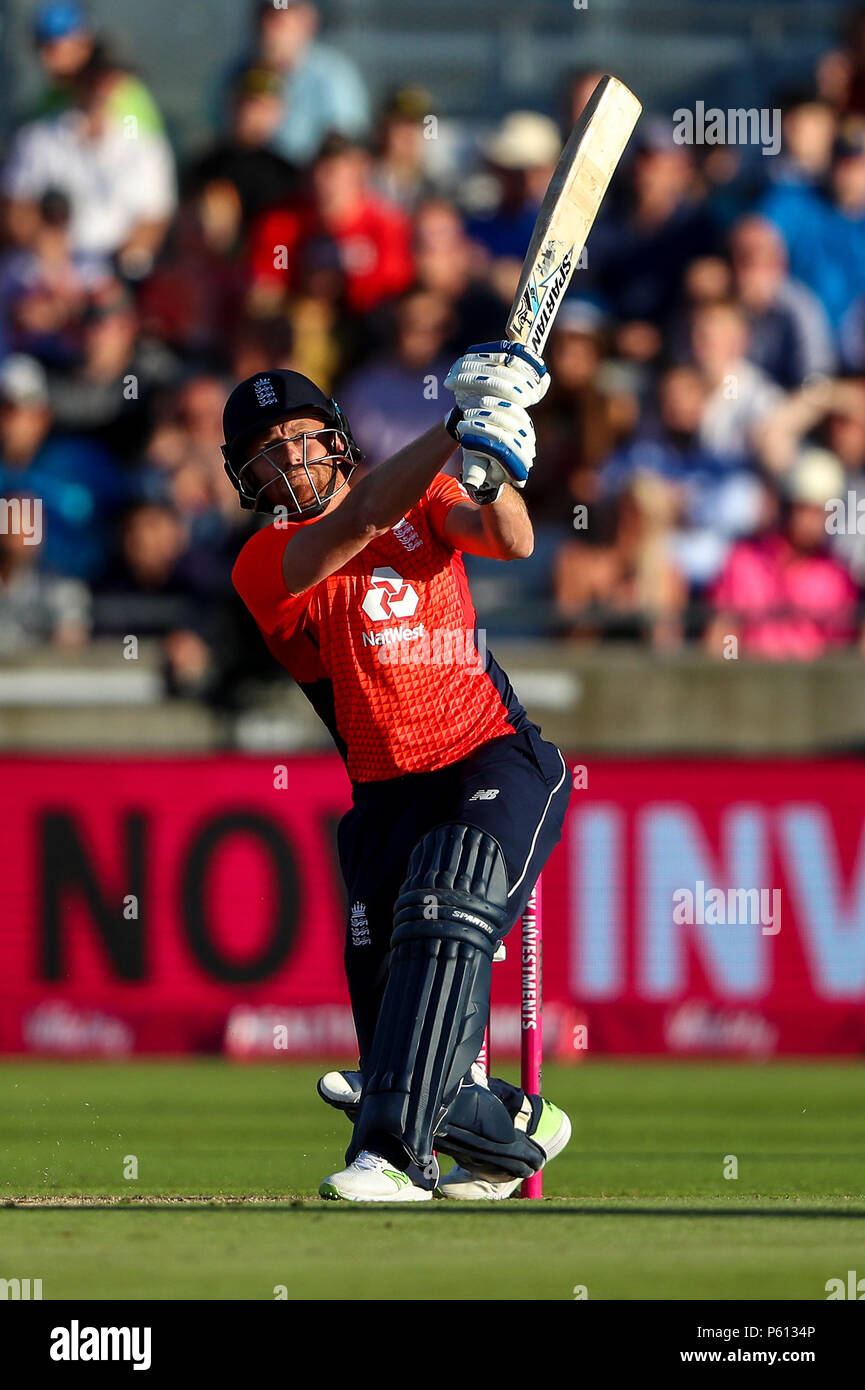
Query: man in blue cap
x,y
65,44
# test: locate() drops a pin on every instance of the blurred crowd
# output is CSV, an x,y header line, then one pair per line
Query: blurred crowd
x,y
707,413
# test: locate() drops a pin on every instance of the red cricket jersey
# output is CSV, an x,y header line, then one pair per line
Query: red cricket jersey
x,y
386,648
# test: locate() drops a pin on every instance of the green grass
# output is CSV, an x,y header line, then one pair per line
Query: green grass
x,y
636,1207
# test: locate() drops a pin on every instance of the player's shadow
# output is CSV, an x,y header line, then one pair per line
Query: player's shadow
x,y
500,1211
556,1207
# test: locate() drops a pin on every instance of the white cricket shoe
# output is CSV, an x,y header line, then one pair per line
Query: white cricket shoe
x,y
371,1178
551,1134
468,1186
341,1089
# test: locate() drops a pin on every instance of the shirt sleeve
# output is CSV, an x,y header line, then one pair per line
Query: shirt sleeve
x,y
25,174
350,112
155,194
257,577
443,493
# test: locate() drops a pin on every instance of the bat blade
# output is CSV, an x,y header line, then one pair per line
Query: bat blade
x,y
570,206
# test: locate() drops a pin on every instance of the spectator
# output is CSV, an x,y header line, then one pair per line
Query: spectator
x,y
844,433
36,607
832,413
446,266
706,280
637,256
740,175
109,392
831,416
576,90
372,236
260,345
741,394
841,72
579,422
241,172
719,499
522,154
65,44
399,168
789,334
824,229
323,91
844,428
808,129
77,482
328,339
193,300
44,287
628,587
782,594
397,397
149,591
684,370
121,190
185,464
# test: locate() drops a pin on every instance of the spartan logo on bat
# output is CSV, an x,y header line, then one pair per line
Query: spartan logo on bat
x,y
528,307
554,285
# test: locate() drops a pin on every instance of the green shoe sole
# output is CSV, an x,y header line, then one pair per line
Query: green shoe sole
x,y
553,1130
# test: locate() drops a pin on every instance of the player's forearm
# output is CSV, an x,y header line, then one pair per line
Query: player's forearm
x,y
371,508
384,496
507,525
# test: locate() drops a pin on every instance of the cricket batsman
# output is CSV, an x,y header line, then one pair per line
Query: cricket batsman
x,y
359,590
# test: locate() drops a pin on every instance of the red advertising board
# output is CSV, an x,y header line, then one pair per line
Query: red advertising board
x,y
173,904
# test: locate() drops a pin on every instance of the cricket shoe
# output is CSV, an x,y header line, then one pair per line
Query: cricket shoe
x,y
551,1134
342,1090
371,1178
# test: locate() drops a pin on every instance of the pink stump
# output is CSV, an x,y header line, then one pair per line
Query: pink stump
x,y
531,1021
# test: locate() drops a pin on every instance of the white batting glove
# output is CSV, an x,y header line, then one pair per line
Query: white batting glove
x,y
493,384
506,371
498,439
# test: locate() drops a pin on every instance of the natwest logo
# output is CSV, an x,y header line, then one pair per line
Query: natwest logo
x,y
390,596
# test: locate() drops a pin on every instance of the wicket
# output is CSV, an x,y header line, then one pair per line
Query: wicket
x,y
531,1019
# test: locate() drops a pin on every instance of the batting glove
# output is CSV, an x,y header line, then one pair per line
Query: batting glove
x,y
493,385
505,371
498,440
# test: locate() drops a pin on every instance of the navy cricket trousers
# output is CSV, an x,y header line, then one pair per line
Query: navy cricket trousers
x,y
515,787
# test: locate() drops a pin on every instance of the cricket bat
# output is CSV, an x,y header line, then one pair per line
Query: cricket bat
x,y
571,204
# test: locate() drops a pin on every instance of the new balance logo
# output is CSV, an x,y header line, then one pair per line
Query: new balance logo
x,y
401,1179
486,795
264,392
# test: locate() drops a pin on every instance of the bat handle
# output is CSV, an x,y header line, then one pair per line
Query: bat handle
x,y
475,475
